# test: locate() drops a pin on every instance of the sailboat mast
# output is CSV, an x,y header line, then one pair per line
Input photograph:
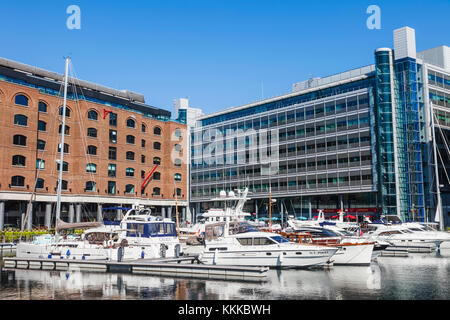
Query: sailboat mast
x,y
63,130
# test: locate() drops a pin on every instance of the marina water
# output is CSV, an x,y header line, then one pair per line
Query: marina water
x,y
424,276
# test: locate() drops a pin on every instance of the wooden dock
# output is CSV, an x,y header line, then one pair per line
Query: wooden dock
x,y
180,267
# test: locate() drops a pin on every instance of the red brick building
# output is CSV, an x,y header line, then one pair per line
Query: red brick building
x,y
113,139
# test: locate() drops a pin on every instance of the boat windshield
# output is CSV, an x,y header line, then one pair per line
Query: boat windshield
x,y
241,227
279,239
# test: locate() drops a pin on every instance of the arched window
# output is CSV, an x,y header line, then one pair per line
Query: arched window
x,y
129,188
142,143
177,133
130,139
40,183
90,186
65,167
41,144
129,172
21,100
177,162
177,147
92,115
67,111
18,160
130,155
19,140
66,131
131,123
20,120
178,191
157,160
156,176
157,131
156,191
42,106
64,184
156,146
42,125
17,181
92,132
142,158
177,176
143,128
66,148
92,150
91,168
40,164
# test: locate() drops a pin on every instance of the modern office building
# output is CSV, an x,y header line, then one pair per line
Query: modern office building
x,y
113,139
360,141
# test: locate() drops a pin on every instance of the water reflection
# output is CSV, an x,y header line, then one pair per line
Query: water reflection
x,y
419,276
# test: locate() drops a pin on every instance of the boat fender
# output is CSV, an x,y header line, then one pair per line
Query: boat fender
x,y
49,256
162,250
68,253
142,254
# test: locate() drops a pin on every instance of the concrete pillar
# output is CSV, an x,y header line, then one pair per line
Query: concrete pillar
x,y
256,209
71,213
78,213
183,214
48,215
119,214
30,216
197,210
341,202
163,212
99,212
194,218
2,215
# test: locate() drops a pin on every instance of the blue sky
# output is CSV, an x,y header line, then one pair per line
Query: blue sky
x,y
218,53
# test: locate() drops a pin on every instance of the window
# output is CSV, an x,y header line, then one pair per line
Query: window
x,y
113,119
20,120
21,100
61,109
63,184
40,183
177,133
111,170
111,187
92,150
143,128
42,126
262,241
143,143
156,191
129,172
113,136
18,160
92,132
177,162
177,177
40,164
130,139
177,147
156,176
131,123
157,160
178,192
142,158
66,148
92,115
42,107
156,146
66,131
157,131
130,155
129,189
112,153
245,241
41,145
65,167
17,181
90,186
91,168
19,140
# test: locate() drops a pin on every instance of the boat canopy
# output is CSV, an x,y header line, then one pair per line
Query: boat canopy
x,y
61,225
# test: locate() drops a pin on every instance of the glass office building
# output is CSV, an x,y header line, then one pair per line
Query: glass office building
x,y
357,141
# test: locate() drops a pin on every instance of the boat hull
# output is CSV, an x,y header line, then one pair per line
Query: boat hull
x,y
353,254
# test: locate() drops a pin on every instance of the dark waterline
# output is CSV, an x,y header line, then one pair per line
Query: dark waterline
x,y
419,276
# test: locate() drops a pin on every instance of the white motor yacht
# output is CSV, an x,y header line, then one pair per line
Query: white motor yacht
x,y
237,243
139,235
